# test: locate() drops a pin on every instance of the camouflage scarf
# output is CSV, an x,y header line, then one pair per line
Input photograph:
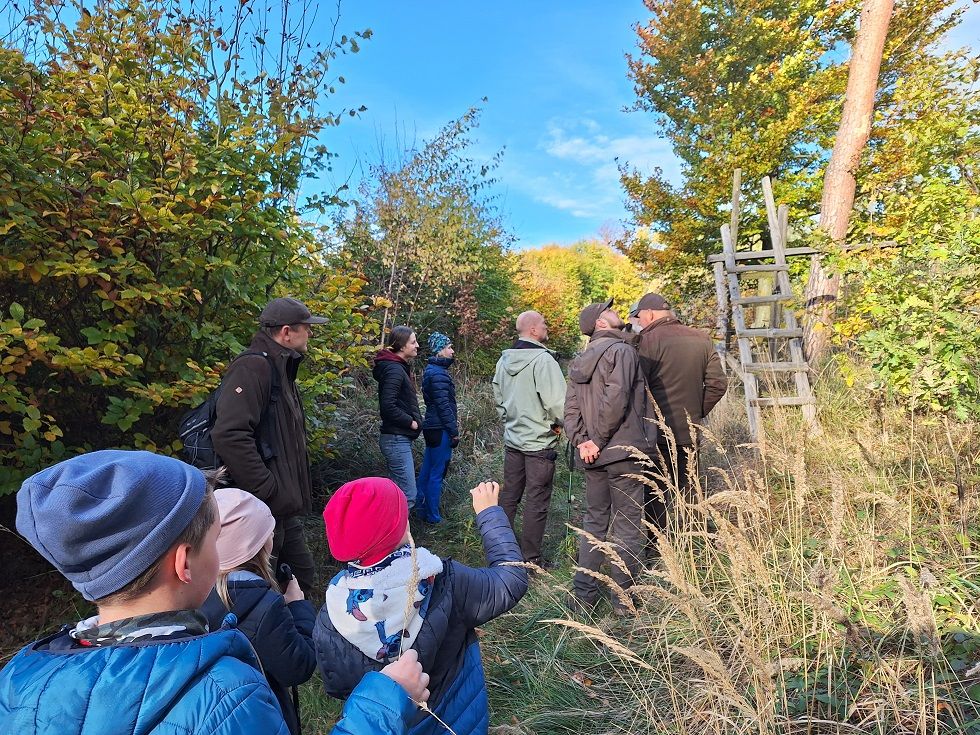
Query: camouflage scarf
x,y
155,626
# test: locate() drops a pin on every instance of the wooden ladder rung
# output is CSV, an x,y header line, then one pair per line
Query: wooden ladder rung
x,y
771,299
773,268
769,333
776,367
782,401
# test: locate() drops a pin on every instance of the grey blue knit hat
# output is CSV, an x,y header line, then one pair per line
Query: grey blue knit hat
x,y
104,518
438,342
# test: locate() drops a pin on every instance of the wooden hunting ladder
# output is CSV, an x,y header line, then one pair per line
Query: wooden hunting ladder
x,y
770,348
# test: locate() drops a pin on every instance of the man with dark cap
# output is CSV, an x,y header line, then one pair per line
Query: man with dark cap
x,y
260,432
686,379
607,415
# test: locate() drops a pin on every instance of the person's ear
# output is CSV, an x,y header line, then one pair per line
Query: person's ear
x,y
181,564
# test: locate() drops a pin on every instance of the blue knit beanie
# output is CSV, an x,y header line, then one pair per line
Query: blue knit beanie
x,y
438,342
104,518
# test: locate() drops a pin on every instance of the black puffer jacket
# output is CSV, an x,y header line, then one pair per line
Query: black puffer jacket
x,y
281,634
439,393
462,599
398,402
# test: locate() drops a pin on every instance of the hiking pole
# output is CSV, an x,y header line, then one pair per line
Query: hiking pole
x,y
570,462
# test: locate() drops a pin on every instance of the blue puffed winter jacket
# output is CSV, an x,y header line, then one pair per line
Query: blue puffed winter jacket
x,y
281,634
439,393
462,599
206,685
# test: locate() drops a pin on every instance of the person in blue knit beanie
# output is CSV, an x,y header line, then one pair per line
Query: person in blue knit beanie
x,y
440,427
136,533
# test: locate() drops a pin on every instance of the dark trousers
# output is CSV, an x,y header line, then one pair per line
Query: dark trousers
x,y
614,506
671,477
529,475
289,547
429,482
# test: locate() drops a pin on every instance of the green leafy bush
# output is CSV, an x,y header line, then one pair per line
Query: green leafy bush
x,y
146,215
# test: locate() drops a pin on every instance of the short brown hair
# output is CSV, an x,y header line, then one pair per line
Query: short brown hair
x,y
193,535
398,337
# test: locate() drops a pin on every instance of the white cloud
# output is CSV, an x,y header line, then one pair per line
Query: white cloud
x,y
582,162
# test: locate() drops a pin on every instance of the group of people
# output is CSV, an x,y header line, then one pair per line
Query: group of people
x,y
204,622
631,381
606,411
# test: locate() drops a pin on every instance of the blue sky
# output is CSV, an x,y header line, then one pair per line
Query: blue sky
x,y
554,73
555,77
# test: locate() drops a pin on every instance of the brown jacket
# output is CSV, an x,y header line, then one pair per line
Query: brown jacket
x,y
283,482
684,373
607,400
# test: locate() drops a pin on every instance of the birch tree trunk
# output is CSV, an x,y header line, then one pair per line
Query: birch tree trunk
x,y
839,181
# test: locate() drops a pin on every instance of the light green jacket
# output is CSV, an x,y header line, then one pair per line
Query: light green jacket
x,y
529,389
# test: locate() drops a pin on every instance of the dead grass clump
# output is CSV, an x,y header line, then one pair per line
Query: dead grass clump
x,y
819,584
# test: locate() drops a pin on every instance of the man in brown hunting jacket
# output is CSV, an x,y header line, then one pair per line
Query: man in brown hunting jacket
x,y
686,379
261,437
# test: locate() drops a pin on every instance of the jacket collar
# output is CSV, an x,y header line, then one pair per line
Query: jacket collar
x,y
288,358
607,334
527,343
659,323
389,356
442,362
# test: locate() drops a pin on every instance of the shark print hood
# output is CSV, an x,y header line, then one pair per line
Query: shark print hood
x,y
367,605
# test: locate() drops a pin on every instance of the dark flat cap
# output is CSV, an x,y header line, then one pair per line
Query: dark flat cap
x,y
586,320
280,312
653,301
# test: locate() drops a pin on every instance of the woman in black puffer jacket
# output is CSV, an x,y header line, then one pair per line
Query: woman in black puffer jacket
x,y
398,403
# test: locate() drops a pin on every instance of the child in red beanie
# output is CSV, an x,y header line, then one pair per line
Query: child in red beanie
x,y
391,599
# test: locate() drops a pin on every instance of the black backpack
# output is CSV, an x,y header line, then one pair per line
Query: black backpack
x,y
195,426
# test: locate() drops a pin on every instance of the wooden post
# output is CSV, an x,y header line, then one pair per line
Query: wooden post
x,y
779,229
744,345
721,295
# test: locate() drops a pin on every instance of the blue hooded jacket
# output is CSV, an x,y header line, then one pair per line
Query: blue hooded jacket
x,y
439,393
462,598
206,684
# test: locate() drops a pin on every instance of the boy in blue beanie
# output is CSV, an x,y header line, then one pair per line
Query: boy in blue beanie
x,y
135,533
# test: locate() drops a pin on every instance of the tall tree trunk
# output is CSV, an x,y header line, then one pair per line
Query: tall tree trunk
x,y
839,181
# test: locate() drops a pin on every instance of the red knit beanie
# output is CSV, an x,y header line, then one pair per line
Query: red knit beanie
x,y
366,520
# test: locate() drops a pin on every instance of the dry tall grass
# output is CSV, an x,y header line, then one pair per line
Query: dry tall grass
x,y
821,584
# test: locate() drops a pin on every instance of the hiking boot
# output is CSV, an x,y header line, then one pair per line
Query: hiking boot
x,y
580,605
542,565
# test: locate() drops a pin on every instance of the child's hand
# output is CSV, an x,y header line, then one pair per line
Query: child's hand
x,y
293,591
407,672
485,496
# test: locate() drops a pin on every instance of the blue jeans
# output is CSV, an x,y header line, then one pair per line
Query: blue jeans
x,y
397,450
434,466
